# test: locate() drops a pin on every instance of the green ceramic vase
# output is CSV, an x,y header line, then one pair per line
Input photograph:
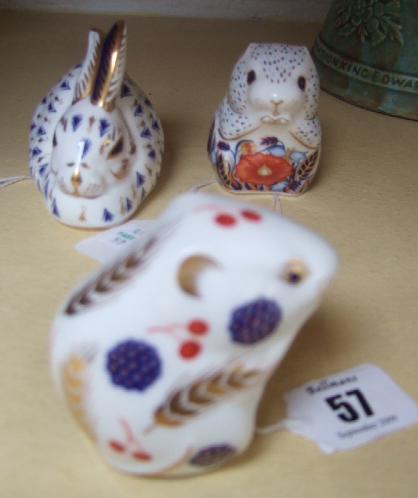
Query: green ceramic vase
x,y
367,54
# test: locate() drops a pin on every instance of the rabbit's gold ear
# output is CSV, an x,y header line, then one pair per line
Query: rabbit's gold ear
x,y
111,67
89,68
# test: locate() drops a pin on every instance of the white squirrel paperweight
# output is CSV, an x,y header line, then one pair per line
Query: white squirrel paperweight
x,y
266,135
162,356
96,143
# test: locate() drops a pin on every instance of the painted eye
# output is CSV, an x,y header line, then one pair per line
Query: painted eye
x,y
294,272
250,77
116,149
302,82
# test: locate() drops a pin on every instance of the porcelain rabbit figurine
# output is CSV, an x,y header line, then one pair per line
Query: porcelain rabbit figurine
x,y
96,143
163,355
266,134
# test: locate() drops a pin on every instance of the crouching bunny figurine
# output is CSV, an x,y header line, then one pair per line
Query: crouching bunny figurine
x,y
95,140
266,135
163,355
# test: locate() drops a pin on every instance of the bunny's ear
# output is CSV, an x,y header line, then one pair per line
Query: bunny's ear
x,y
111,67
89,67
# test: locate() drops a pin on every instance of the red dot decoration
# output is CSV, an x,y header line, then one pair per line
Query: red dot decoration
x,y
198,327
251,215
225,220
141,455
119,447
189,350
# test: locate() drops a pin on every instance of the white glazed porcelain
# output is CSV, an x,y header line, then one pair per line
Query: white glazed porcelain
x,y
95,141
163,355
266,135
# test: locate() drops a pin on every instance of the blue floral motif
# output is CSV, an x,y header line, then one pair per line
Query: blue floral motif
x,y
125,91
138,110
147,102
76,121
140,179
104,126
223,145
41,131
46,187
86,145
152,154
146,133
32,126
36,151
155,125
65,85
269,141
128,204
51,107
42,169
107,215
54,207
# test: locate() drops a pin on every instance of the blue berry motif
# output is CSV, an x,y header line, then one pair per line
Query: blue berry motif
x,y
254,321
133,365
212,455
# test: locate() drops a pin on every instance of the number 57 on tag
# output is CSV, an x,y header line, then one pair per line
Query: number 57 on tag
x,y
349,409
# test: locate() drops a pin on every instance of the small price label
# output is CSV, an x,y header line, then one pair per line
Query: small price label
x,y
349,409
108,244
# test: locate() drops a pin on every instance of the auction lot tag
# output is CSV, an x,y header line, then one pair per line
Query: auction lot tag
x,y
349,409
108,244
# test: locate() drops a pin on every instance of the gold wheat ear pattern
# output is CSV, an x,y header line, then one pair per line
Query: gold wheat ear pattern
x,y
74,374
308,167
110,280
189,402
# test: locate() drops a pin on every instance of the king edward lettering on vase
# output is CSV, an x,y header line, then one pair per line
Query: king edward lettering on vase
x,y
96,143
366,54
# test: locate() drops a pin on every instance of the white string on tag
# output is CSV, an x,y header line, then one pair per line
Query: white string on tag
x,y
202,185
5,182
280,425
276,197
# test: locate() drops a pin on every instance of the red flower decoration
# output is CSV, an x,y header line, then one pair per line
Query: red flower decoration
x,y
263,169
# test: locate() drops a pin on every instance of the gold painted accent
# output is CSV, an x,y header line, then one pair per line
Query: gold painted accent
x,y
264,171
118,51
122,206
294,272
123,171
76,182
73,375
182,405
189,271
82,216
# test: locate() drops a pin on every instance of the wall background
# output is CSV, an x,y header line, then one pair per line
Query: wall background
x,y
292,10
